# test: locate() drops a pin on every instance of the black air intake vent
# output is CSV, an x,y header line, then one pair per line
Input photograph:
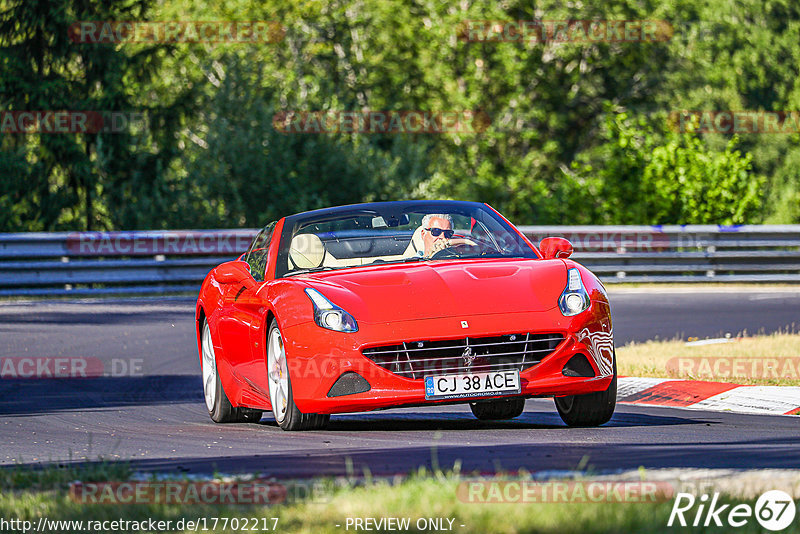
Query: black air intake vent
x,y
415,359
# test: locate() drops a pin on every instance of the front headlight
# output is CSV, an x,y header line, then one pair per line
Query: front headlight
x,y
574,299
329,315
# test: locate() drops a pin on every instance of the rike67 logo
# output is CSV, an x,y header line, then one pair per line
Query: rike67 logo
x,y
774,510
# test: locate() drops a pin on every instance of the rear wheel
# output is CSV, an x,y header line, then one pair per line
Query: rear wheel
x,y
497,409
217,403
286,413
592,409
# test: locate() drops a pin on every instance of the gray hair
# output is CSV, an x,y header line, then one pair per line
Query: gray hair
x,y
427,219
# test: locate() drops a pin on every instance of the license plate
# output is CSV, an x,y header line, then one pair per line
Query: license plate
x,y
472,385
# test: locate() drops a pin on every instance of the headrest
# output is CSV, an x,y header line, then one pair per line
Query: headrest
x,y
306,252
415,244
417,239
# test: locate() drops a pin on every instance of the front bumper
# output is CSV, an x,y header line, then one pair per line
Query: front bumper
x,y
318,357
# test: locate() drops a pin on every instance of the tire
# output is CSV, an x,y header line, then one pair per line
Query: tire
x,y
218,405
592,409
498,409
285,411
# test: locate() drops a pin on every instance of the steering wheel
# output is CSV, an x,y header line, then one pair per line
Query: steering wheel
x,y
477,241
454,251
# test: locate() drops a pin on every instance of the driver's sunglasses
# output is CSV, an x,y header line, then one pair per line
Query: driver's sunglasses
x,y
436,232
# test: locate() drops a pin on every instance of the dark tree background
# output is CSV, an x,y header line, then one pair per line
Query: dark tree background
x,y
579,132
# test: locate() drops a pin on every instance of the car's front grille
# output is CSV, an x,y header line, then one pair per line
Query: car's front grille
x,y
415,359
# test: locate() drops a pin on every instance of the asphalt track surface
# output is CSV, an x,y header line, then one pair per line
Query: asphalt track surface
x,y
156,418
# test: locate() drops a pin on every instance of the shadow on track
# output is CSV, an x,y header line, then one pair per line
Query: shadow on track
x,y
487,459
530,420
53,395
94,319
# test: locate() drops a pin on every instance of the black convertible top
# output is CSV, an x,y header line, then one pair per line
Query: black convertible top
x,y
386,209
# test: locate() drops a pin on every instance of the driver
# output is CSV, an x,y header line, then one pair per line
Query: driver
x,y
437,229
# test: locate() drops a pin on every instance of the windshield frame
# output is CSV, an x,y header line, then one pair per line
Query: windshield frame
x,y
388,210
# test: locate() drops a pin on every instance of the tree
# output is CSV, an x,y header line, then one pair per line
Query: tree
x,y
78,180
642,171
248,172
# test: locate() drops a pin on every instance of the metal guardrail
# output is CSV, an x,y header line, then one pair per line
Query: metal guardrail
x,y
98,263
94,263
691,253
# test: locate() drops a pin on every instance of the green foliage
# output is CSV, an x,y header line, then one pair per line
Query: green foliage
x,y
87,180
473,504
247,172
577,134
641,173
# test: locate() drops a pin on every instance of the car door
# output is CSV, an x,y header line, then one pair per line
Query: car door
x,y
235,319
249,307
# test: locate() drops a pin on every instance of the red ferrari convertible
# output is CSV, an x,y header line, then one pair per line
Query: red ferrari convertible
x,y
391,304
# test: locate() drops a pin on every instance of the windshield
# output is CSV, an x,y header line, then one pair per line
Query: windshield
x,y
339,239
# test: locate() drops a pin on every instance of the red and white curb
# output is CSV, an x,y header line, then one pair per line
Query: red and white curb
x,y
710,396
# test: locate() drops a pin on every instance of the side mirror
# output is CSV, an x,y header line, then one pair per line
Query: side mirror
x,y
233,272
555,247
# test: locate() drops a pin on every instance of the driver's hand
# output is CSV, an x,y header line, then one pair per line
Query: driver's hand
x,y
441,244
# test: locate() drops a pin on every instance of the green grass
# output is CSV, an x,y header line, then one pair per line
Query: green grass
x,y
779,351
700,286
54,478
28,494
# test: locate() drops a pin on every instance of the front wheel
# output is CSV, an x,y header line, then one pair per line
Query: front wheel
x,y
496,410
592,409
286,413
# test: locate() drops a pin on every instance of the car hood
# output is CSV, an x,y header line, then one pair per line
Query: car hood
x,y
434,289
